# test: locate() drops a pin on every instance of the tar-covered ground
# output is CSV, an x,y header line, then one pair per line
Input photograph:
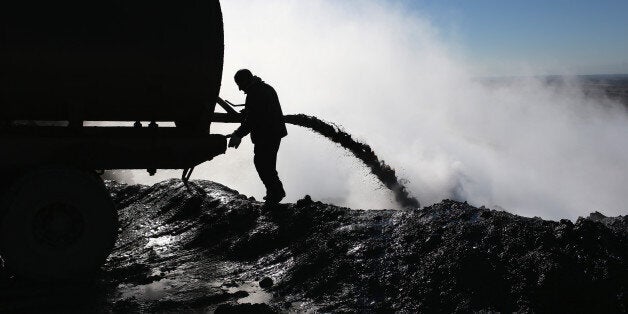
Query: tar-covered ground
x,y
203,247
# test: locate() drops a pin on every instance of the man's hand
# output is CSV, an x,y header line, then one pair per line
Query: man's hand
x,y
234,141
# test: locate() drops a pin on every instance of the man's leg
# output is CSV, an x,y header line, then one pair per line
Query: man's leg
x,y
265,160
259,159
275,182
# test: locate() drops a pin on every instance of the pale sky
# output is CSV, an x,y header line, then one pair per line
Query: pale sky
x,y
555,36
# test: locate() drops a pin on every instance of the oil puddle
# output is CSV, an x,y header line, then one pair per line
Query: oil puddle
x,y
256,294
160,241
149,292
250,290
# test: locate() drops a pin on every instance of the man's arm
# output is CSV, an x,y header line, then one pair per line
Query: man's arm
x,y
239,133
245,127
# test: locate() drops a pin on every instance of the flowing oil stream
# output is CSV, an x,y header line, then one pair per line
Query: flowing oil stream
x,y
362,151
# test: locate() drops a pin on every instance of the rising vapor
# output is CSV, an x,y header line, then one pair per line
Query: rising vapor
x,y
387,77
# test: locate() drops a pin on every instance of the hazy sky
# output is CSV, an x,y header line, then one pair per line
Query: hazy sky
x,y
560,36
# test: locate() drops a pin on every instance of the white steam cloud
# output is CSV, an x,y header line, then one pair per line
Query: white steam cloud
x,y
387,77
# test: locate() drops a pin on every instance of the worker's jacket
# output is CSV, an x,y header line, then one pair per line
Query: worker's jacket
x,y
263,117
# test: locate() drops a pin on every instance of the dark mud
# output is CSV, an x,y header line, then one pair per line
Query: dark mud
x,y
204,247
379,168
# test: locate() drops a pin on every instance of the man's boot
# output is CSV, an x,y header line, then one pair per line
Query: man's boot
x,y
273,198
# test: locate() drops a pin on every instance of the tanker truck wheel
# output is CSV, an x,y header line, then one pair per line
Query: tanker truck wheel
x,y
57,224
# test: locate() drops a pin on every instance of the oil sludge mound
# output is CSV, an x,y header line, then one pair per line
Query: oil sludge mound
x,y
205,247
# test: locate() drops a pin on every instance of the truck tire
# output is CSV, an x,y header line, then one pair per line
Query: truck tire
x,y
57,224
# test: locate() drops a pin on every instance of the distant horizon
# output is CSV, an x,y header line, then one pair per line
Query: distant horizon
x,y
616,75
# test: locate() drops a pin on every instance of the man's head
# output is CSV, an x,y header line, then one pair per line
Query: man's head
x,y
244,79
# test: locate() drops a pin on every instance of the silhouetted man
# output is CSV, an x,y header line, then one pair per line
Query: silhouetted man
x,y
263,118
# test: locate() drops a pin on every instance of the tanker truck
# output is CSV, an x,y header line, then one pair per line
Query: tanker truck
x,y
67,70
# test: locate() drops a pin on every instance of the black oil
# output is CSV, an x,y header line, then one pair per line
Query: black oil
x,y
385,173
203,247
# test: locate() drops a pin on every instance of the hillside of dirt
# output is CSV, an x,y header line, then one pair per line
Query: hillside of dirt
x,y
204,247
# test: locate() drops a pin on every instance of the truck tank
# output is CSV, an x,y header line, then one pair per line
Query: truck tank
x,y
66,62
110,60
